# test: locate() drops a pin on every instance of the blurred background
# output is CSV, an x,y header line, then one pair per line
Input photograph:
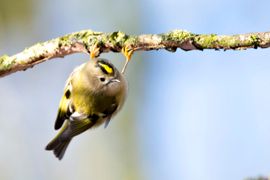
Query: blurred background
x,y
189,115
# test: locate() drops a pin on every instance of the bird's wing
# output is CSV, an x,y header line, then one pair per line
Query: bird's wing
x,y
107,121
65,108
76,127
109,113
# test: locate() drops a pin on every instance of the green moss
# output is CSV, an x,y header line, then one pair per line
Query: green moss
x,y
224,42
117,38
255,40
131,40
5,62
82,36
206,41
64,41
3,58
177,35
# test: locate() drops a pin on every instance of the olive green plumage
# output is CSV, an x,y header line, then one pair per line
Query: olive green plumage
x,y
94,93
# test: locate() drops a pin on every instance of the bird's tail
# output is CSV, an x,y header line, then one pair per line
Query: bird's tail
x,y
59,144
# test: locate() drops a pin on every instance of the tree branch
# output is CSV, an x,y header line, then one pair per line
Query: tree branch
x,y
88,41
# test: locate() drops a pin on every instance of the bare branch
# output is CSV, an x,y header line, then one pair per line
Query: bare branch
x,y
88,41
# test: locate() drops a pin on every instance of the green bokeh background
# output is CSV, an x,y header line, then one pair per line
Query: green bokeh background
x,y
29,99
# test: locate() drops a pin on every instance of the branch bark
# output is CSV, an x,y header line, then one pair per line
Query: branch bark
x,y
88,41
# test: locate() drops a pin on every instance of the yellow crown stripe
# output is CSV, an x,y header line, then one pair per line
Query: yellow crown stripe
x,y
107,68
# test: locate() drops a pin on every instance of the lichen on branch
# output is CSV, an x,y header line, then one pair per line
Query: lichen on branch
x,y
95,43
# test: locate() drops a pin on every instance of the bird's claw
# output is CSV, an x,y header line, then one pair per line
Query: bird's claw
x,y
128,52
94,51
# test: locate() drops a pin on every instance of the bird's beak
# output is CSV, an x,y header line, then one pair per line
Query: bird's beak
x,y
115,80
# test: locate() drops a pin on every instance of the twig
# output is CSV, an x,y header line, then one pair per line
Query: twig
x,y
88,41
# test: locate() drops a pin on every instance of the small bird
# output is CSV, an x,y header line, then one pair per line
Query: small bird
x,y
95,91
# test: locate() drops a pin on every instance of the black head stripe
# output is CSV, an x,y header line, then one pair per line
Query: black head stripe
x,y
106,67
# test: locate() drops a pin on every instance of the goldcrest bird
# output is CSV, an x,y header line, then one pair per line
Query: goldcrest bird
x,y
94,93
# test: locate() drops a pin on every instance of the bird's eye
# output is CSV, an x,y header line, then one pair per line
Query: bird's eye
x,y
102,79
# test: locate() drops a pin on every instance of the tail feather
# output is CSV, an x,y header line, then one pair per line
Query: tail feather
x,y
60,150
70,129
58,147
60,143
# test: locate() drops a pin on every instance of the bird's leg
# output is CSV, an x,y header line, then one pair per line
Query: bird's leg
x,y
127,53
94,51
